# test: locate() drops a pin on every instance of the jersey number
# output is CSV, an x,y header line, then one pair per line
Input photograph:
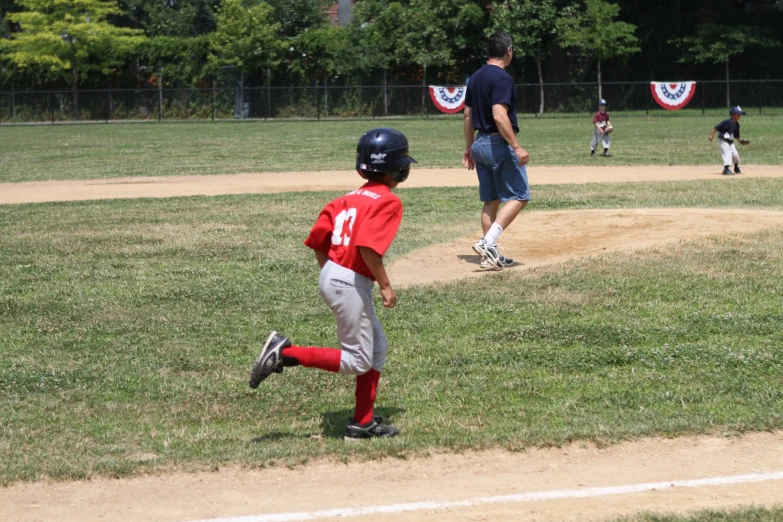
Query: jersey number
x,y
339,236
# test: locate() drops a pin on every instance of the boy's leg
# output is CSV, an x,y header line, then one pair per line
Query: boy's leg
x,y
367,384
338,286
364,423
726,155
349,296
594,142
607,139
736,159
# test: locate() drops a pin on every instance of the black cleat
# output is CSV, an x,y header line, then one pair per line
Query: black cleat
x,y
737,169
726,171
606,155
374,428
270,360
592,153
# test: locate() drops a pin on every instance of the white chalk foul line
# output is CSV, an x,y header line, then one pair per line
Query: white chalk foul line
x,y
502,499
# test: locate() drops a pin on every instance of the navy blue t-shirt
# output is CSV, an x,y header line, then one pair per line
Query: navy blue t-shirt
x,y
490,86
728,130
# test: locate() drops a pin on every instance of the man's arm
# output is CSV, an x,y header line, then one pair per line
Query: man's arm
x,y
374,262
500,114
470,136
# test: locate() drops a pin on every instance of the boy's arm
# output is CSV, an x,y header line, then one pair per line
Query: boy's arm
x,y
374,262
712,134
321,257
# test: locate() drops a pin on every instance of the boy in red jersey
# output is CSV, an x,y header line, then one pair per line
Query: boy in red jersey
x,y
349,238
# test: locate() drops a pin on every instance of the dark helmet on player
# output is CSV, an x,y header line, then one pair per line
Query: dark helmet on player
x,y
383,151
601,102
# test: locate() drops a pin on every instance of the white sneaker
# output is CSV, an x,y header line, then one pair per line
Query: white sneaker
x,y
505,261
489,252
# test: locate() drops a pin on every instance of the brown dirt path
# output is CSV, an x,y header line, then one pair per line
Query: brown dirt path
x,y
322,485
542,238
158,187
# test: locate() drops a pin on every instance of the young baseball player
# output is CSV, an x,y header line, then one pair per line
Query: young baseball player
x,y
602,130
349,239
728,131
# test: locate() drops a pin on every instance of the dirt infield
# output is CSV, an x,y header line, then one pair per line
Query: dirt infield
x,y
538,238
324,485
541,238
161,187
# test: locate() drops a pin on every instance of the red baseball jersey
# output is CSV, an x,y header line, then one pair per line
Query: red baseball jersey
x,y
367,217
601,118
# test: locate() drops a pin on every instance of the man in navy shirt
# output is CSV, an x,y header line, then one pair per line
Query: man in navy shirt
x,y
499,160
728,131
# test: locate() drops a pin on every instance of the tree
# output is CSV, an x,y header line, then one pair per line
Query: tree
x,y
717,43
425,42
320,54
596,34
180,60
375,34
297,16
531,24
246,38
70,35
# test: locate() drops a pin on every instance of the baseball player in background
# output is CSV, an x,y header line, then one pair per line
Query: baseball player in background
x,y
349,239
728,131
602,131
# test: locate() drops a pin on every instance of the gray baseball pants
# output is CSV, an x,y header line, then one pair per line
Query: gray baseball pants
x,y
598,137
349,296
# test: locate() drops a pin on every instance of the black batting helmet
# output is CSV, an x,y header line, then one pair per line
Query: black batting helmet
x,y
383,151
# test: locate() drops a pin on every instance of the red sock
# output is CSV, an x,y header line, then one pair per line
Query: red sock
x,y
311,357
366,390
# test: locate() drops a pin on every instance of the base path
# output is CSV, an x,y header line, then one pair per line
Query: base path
x,y
544,238
163,187
444,487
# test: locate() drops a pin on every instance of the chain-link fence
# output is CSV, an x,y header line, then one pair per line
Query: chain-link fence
x,y
315,103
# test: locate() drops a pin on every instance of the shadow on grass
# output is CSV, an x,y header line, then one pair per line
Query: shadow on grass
x,y
275,436
476,260
332,426
333,423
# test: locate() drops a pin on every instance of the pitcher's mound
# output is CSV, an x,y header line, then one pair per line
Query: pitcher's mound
x,y
541,238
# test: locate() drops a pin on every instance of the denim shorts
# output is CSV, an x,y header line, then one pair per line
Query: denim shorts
x,y
499,173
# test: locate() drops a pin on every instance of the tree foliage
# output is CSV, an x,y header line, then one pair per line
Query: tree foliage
x,y
70,35
404,41
245,38
532,25
718,43
595,33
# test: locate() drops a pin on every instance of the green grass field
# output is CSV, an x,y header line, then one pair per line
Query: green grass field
x,y
750,514
43,152
128,327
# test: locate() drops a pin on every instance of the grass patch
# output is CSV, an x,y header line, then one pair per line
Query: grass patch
x,y
29,153
127,329
747,514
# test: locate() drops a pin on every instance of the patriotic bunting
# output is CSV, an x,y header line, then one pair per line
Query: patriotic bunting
x,y
673,96
448,100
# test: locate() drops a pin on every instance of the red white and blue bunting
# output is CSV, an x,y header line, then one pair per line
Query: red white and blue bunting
x,y
448,100
673,96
